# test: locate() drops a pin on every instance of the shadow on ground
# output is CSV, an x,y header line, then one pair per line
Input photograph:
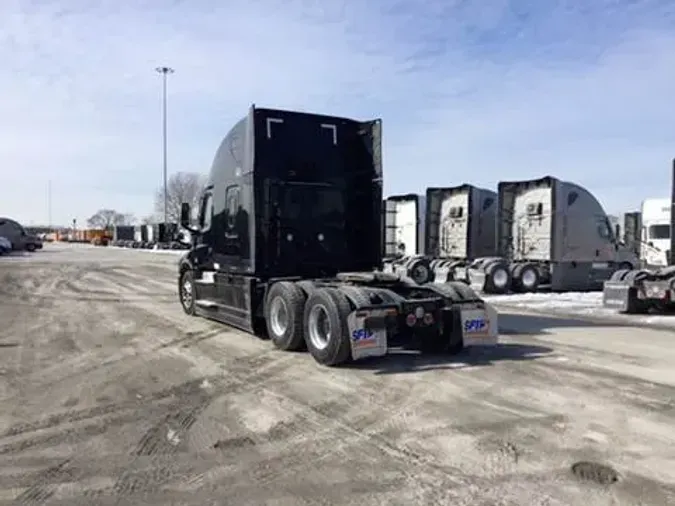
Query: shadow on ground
x,y
27,254
529,324
400,360
513,322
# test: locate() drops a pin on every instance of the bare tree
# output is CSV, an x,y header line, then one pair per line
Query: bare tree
x,y
181,187
108,218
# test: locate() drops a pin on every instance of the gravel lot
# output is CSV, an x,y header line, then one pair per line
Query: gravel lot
x,y
111,395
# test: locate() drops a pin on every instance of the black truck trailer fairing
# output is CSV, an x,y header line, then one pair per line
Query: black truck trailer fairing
x,y
288,240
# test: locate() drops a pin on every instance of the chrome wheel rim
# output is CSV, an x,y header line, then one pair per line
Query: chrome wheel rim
x,y
529,278
500,277
319,326
186,294
279,316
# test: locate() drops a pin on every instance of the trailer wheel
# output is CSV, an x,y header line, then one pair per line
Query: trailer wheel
x,y
418,270
325,325
526,278
283,315
186,292
497,278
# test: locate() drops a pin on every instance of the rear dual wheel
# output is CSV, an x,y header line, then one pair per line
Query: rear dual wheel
x,y
284,310
525,278
497,278
325,326
317,321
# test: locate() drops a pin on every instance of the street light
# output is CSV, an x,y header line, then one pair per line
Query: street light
x,y
164,71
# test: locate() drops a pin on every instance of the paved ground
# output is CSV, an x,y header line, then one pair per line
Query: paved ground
x,y
111,395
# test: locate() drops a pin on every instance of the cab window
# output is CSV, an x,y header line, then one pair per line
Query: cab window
x,y
206,212
605,229
659,232
232,206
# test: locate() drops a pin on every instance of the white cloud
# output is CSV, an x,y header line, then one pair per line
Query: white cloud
x,y
469,92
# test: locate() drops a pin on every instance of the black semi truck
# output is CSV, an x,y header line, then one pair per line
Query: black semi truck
x,y
287,244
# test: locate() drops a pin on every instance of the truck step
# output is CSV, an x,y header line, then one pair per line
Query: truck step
x,y
208,278
206,303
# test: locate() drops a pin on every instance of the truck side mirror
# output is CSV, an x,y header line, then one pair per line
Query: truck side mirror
x,y
185,215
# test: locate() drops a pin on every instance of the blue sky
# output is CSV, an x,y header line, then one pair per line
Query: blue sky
x,y
475,92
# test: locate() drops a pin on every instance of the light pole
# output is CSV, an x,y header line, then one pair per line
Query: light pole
x,y
49,204
165,71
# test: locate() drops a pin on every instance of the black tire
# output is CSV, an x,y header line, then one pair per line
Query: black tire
x,y
327,305
284,308
187,298
357,297
497,271
306,286
30,247
527,278
419,271
619,275
635,276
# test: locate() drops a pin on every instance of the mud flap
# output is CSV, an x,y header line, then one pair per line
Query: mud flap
x,y
480,327
476,278
368,332
619,296
461,274
441,273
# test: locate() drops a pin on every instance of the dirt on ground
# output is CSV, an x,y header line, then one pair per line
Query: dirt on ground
x,y
110,394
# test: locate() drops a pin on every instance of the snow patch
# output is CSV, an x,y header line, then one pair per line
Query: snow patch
x,y
581,300
155,251
581,304
172,437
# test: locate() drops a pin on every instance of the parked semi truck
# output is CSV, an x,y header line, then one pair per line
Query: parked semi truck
x,y
655,232
550,234
640,290
444,229
460,226
286,244
403,237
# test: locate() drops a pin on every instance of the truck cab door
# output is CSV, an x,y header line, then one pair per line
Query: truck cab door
x,y
605,252
204,251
